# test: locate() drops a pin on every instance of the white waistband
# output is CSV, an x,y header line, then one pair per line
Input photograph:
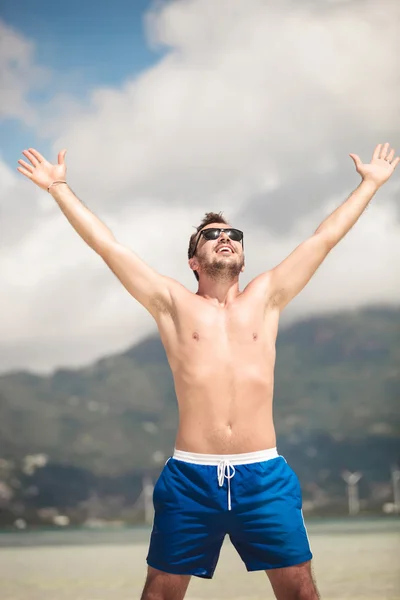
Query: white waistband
x,y
234,459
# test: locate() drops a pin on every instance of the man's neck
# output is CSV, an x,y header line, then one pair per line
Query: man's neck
x,y
220,292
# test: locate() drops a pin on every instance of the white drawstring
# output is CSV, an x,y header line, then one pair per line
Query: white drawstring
x,y
224,471
225,462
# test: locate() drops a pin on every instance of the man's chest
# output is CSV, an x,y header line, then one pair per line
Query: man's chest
x,y
240,323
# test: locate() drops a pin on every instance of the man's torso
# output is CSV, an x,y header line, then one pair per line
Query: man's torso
x,y
222,360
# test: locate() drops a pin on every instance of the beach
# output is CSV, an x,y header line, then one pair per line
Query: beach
x,y
352,560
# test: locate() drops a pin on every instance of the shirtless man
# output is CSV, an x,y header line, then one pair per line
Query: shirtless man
x,y
225,476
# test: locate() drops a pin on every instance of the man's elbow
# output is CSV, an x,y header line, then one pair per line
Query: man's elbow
x,y
106,247
326,240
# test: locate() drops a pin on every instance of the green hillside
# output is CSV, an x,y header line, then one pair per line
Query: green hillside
x,y
336,407
340,374
336,374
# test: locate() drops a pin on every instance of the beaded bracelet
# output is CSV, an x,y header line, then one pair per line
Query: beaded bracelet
x,y
54,183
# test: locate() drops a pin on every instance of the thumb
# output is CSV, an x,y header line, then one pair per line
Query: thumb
x,y
357,160
61,157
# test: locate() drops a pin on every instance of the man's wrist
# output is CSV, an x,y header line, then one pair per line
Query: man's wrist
x,y
370,185
55,186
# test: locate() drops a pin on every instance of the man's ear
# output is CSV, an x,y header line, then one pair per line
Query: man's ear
x,y
193,264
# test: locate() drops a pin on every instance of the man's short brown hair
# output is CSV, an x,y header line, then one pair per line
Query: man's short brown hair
x,y
209,217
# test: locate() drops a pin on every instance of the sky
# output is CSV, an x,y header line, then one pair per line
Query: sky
x,y
172,109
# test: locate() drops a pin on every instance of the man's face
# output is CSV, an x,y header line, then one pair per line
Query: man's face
x,y
220,259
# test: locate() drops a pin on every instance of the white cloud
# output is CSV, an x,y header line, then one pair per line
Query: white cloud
x,y
253,111
19,75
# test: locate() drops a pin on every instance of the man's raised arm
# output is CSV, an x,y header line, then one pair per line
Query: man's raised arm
x,y
286,280
147,286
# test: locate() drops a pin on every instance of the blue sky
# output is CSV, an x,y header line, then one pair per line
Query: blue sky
x,y
251,110
89,44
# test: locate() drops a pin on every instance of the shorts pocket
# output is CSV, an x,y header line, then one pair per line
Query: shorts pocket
x,y
164,494
294,486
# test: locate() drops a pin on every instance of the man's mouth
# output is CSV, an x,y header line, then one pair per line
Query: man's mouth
x,y
224,250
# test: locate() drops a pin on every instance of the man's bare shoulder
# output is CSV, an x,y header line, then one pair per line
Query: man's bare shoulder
x,y
262,287
177,293
260,284
177,288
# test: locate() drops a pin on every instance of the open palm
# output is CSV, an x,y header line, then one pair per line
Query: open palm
x,y
40,171
381,166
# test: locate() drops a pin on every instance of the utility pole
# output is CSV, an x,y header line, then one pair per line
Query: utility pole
x,y
147,494
396,489
352,480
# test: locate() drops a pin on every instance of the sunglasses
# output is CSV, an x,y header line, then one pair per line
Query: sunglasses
x,y
213,233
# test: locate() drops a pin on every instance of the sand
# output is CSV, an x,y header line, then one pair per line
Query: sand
x,y
358,566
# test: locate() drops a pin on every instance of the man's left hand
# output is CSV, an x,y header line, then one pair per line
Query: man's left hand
x,y
381,166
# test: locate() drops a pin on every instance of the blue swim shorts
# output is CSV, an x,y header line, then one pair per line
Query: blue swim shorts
x,y
255,498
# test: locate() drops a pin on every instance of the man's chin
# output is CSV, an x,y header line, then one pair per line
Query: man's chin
x,y
223,269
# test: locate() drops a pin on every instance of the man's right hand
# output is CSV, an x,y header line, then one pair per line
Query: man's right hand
x,y
40,171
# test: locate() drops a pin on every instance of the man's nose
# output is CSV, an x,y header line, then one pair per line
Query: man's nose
x,y
223,237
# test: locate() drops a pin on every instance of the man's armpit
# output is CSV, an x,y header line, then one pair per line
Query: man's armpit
x,y
277,298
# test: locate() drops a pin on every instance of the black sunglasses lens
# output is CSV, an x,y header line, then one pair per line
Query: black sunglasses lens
x,y
211,234
235,234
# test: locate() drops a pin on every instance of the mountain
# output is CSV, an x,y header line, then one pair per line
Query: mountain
x,y
336,403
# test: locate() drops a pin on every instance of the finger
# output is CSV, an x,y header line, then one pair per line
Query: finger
x,y
395,162
26,166
37,154
377,152
61,157
24,172
30,157
384,151
357,160
390,156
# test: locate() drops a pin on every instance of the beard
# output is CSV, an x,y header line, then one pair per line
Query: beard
x,y
221,270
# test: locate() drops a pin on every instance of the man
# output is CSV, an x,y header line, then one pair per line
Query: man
x,y
226,475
